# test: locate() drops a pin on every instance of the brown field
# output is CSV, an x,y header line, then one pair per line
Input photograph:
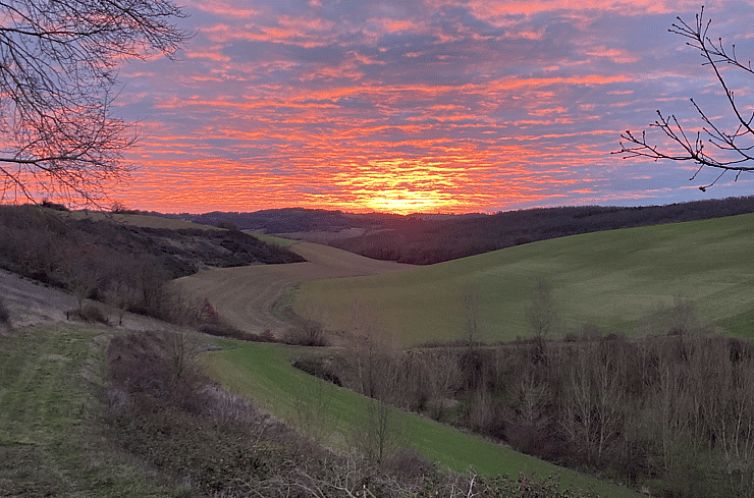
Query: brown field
x,y
247,297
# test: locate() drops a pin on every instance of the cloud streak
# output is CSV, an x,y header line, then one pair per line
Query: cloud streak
x,y
439,105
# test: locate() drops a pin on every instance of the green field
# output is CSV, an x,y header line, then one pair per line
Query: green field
x,y
271,239
52,434
612,279
263,374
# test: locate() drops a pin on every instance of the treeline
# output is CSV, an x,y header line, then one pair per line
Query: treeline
x,y
670,415
165,411
428,241
124,266
290,220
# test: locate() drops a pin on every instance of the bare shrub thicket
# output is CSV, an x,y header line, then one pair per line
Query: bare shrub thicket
x,y
672,411
541,315
306,333
163,410
5,319
374,358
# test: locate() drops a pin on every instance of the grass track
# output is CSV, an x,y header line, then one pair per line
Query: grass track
x,y
612,279
51,440
263,374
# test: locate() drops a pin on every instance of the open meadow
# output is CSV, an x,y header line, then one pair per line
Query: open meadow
x,y
253,298
613,279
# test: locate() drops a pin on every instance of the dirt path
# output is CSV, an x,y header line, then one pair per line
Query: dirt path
x,y
245,296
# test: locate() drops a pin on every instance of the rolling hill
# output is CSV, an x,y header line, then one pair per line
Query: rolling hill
x,y
432,238
613,279
247,297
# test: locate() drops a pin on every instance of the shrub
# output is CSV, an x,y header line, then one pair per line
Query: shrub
x,y
4,313
317,367
228,225
221,329
54,205
310,333
90,313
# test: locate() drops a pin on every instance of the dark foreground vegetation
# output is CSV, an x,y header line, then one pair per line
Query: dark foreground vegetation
x,y
428,239
162,409
124,266
670,414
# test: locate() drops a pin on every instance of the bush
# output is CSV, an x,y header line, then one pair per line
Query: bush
x,y
53,205
228,225
221,330
4,313
310,333
90,313
318,367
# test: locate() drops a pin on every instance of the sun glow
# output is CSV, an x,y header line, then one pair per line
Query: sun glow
x,y
407,202
405,185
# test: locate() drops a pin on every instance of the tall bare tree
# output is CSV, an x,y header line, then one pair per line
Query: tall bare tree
x,y
58,63
711,145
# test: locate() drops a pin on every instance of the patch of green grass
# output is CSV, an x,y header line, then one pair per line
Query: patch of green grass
x,y
51,433
272,239
612,279
263,374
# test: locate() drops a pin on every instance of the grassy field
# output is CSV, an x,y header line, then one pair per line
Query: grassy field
x,y
246,296
612,279
51,434
263,374
271,239
141,220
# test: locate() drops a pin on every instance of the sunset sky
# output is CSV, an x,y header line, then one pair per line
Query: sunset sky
x,y
433,105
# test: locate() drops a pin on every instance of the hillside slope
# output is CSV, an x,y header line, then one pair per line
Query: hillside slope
x,y
612,279
245,296
53,440
263,373
431,238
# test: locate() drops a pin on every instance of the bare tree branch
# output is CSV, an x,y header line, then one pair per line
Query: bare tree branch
x,y
711,146
57,71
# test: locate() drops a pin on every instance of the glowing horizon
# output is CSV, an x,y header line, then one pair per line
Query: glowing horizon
x,y
430,106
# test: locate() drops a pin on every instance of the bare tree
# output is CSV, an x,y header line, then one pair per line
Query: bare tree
x,y
471,313
58,62
541,315
711,146
313,411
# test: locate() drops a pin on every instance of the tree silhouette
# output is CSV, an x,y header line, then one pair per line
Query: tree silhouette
x,y
58,62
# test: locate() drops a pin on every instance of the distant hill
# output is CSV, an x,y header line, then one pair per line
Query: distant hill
x,y
630,281
123,260
428,239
